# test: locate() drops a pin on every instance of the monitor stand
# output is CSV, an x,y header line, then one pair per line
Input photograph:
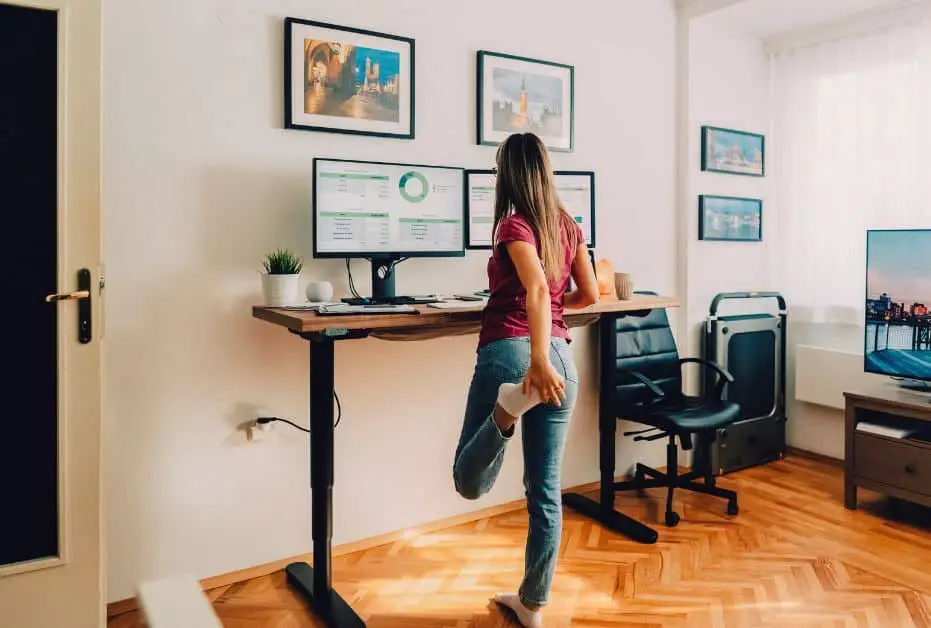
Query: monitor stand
x,y
920,387
383,279
913,384
383,292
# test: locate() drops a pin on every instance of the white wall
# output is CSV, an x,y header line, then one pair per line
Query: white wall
x,y
728,87
200,180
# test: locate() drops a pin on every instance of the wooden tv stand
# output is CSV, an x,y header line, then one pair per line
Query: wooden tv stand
x,y
889,464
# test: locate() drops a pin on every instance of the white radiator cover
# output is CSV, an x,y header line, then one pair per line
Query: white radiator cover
x,y
822,375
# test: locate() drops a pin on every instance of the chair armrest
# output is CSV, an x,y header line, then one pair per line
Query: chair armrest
x,y
726,376
646,381
723,372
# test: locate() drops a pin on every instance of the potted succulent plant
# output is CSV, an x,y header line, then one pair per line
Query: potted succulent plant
x,y
281,279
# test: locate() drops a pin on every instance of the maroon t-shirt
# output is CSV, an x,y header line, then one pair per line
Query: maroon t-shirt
x,y
505,315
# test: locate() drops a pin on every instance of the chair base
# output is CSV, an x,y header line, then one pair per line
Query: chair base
x,y
647,477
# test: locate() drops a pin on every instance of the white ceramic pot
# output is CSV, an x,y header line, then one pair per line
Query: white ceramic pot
x,y
279,290
319,292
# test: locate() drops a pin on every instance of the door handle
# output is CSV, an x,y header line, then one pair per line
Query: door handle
x,y
68,296
83,296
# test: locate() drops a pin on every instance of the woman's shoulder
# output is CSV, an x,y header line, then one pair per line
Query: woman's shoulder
x,y
514,227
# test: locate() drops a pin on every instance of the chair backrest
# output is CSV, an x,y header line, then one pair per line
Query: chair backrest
x,y
640,341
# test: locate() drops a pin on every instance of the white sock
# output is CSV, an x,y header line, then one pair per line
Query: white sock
x,y
526,617
511,397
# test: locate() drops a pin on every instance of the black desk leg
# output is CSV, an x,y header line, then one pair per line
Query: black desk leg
x,y
315,584
603,510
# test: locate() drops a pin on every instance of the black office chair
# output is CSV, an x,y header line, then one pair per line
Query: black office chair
x,y
642,372
641,381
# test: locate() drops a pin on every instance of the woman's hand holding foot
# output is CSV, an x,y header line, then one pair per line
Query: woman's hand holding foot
x,y
543,377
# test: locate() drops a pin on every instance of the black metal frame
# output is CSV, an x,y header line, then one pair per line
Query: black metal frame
x,y
289,24
705,130
315,584
702,208
481,55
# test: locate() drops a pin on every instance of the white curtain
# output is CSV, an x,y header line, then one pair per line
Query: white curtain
x,y
852,151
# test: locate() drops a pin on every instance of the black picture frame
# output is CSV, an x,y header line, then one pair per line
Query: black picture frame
x,y
711,135
395,49
709,231
547,72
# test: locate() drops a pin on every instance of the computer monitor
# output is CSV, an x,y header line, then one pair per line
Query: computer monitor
x,y
576,190
897,340
386,212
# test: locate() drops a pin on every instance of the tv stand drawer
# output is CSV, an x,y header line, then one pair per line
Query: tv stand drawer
x,y
901,464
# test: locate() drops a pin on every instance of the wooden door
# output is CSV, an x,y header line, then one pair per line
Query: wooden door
x,y
51,567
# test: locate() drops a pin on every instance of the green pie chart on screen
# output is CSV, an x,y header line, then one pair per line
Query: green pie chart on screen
x,y
413,186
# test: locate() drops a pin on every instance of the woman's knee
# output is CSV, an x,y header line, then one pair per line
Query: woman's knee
x,y
545,506
467,488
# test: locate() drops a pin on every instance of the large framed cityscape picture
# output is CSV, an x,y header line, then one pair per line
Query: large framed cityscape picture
x,y
348,80
521,95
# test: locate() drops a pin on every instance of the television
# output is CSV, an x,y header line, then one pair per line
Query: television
x,y
897,338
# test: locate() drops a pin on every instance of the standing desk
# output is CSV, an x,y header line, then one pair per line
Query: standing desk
x,y
315,584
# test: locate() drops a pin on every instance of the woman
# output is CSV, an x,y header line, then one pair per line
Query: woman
x,y
524,367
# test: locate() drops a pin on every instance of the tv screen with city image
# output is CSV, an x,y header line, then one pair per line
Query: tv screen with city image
x,y
898,297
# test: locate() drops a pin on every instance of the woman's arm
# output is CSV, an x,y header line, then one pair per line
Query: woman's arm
x,y
542,375
586,286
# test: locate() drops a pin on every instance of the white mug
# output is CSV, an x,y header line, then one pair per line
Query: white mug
x,y
319,291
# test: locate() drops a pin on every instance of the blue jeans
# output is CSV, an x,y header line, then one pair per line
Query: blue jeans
x,y
543,432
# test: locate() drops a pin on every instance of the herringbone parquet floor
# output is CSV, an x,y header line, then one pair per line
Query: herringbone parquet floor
x,y
793,557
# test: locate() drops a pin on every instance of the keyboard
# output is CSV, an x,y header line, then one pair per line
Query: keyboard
x,y
343,309
400,300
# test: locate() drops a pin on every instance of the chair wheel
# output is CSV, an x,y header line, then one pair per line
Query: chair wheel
x,y
672,519
732,508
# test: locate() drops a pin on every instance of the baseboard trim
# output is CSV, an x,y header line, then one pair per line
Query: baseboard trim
x,y
250,573
803,453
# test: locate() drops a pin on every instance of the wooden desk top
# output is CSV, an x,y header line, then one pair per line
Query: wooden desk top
x,y
457,320
894,397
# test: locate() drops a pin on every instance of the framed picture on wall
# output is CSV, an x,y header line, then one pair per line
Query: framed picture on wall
x,y
521,95
733,152
730,218
347,80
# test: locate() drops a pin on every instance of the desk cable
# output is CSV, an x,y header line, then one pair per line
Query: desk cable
x,y
270,419
352,285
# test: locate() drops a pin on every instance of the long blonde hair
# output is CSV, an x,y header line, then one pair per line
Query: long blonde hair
x,y
525,186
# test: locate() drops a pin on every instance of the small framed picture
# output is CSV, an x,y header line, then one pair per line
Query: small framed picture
x,y
730,218
522,95
347,80
733,152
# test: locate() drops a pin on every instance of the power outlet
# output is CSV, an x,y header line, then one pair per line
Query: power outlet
x,y
258,431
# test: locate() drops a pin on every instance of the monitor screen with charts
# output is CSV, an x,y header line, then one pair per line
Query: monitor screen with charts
x,y
576,191
371,209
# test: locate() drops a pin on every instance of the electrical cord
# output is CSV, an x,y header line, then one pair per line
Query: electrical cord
x,y
271,419
352,285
